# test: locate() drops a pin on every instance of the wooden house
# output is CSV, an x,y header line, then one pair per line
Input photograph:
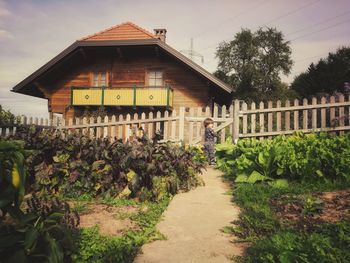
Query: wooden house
x,y
124,69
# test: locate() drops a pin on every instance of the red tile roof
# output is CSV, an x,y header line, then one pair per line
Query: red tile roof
x,y
124,31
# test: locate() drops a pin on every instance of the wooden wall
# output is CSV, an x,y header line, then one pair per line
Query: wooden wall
x,y
126,67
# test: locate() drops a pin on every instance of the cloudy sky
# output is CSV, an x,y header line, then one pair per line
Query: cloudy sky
x,y
34,31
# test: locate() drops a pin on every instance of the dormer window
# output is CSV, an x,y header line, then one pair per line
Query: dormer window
x,y
99,79
155,78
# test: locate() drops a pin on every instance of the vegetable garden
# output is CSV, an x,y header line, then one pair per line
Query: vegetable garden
x,y
49,182
294,197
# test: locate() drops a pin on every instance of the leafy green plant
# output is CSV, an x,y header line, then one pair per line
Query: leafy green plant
x,y
12,175
42,234
298,157
312,205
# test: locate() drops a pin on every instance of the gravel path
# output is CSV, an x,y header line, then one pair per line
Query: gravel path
x,y
192,224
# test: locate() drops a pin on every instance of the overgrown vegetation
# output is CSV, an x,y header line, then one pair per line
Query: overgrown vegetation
x,y
73,165
298,157
93,247
284,221
51,167
43,232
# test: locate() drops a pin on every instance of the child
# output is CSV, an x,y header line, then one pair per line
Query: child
x,y
209,140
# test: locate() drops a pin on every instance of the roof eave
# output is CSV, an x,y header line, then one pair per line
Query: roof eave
x,y
133,42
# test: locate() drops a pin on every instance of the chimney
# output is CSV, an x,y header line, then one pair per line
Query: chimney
x,y
160,34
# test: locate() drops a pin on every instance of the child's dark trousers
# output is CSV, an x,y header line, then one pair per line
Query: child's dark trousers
x,y
209,150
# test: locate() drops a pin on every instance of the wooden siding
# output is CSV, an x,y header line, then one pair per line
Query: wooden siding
x,y
190,90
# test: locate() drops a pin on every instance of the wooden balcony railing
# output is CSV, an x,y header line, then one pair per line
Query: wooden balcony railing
x,y
122,96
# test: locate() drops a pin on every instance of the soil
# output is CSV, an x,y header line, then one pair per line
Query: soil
x,y
332,207
192,225
110,219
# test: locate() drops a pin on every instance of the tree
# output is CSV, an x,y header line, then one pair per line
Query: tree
x,y
6,117
329,75
253,61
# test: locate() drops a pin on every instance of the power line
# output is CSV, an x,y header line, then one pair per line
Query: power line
x,y
290,13
277,18
323,29
318,23
233,17
303,59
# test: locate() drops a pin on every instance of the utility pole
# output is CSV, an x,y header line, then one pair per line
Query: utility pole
x,y
192,54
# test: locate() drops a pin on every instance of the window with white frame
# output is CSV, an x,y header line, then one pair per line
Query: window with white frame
x,y
155,78
99,79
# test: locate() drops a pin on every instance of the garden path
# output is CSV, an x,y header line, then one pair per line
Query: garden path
x,y
192,225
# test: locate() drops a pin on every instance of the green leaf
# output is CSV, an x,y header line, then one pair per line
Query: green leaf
x,y
241,178
55,253
279,183
31,238
255,176
261,158
319,173
280,171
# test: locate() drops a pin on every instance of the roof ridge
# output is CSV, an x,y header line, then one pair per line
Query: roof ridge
x,y
141,29
116,26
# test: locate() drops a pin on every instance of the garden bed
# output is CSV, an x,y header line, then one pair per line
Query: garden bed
x,y
310,209
294,195
104,197
112,221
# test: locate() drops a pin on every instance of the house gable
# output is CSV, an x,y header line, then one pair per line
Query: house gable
x,y
124,31
126,34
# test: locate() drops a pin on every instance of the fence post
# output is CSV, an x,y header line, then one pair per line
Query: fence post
x,y
341,114
231,116
181,123
235,131
223,115
252,118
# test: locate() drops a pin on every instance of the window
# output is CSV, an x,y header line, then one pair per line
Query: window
x,y
99,79
155,78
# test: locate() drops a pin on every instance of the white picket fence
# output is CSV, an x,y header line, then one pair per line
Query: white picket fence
x,y
184,125
10,129
323,114
240,120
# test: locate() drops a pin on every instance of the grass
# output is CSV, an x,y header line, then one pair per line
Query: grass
x,y
274,241
93,247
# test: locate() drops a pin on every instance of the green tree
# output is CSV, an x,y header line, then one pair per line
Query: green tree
x,y
327,76
253,61
6,117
